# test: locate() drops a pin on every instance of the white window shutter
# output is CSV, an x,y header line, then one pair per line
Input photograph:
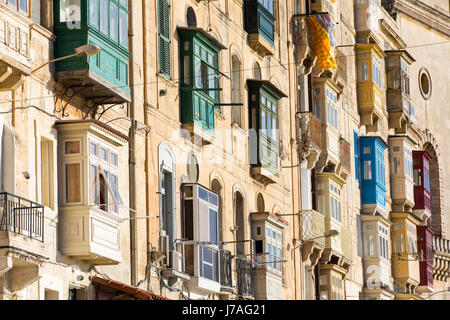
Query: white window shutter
x,y
203,221
8,161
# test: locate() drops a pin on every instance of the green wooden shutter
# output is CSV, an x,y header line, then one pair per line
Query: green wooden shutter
x,y
164,37
217,83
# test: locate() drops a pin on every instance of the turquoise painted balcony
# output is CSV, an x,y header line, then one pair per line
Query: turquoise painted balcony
x,y
102,78
259,22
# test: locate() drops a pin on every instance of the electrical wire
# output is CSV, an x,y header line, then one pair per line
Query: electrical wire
x,y
7,101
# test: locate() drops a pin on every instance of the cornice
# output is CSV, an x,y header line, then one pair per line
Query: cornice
x,y
425,14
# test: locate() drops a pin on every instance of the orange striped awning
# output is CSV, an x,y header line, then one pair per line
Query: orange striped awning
x,y
322,45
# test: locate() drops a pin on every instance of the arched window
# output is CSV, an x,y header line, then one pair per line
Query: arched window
x,y
437,220
236,94
257,71
239,222
260,205
191,18
216,187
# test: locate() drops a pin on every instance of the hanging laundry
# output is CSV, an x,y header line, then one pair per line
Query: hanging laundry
x,y
322,45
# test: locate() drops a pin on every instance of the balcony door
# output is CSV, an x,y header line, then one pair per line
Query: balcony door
x,y
239,222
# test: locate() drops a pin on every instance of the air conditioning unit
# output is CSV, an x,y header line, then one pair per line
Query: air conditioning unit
x,y
164,249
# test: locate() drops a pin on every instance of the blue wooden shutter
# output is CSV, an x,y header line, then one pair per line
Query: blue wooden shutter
x,y
164,37
356,149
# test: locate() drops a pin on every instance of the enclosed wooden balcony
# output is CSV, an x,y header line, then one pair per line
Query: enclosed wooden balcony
x,y
370,84
405,258
398,89
375,231
402,184
425,246
422,187
90,155
102,78
15,62
259,22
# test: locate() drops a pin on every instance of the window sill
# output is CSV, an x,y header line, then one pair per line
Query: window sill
x,y
169,82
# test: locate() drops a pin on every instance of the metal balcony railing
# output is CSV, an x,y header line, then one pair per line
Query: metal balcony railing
x,y
245,278
226,279
21,216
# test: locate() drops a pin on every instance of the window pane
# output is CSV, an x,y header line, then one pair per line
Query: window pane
x,y
104,17
94,149
93,12
104,154
197,72
113,23
364,71
123,26
23,5
73,186
367,170
213,225
114,159
93,184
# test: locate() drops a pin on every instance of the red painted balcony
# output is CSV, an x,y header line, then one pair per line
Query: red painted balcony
x,y
422,191
425,246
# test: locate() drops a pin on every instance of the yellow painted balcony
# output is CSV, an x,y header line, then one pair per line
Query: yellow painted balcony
x,y
405,258
15,62
370,84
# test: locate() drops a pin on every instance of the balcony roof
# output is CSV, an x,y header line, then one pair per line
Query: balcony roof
x,y
270,214
267,84
139,294
204,33
95,122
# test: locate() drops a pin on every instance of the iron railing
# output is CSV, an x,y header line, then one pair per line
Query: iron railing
x,y
245,278
21,216
226,279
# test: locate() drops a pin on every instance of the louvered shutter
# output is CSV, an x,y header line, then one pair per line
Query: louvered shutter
x,y
217,82
164,37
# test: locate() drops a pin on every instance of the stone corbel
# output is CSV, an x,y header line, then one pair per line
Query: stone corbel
x,y
6,264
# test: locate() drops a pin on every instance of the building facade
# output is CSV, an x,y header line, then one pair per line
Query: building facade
x,y
200,149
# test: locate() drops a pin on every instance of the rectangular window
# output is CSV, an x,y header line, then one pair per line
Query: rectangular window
x,y
104,16
123,28
364,71
93,12
73,183
356,152
367,170
113,23
47,182
164,37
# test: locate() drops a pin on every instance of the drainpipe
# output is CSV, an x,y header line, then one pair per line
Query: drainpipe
x,y
147,167
292,159
132,154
